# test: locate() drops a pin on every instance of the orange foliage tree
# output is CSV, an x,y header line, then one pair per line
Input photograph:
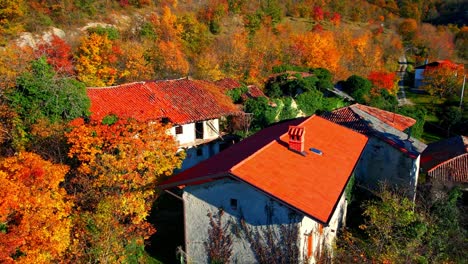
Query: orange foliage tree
x,y
315,50
384,80
34,213
96,59
14,61
443,80
114,185
168,55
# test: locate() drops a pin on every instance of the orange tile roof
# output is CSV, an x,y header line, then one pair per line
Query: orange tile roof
x,y
182,101
312,184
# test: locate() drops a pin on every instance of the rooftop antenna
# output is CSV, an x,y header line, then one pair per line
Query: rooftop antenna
x,y
463,90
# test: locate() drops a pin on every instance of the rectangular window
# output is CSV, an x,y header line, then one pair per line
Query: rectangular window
x,y
179,130
199,151
234,204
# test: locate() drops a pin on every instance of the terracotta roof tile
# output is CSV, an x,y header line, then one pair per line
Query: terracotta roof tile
x,y
182,101
442,151
228,84
453,170
397,121
253,92
312,183
382,124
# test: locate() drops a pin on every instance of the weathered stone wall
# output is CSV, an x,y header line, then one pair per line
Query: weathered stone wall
x,y
257,211
382,163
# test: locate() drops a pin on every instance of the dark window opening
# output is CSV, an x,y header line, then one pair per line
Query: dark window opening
x,y
199,152
199,130
179,130
165,120
234,204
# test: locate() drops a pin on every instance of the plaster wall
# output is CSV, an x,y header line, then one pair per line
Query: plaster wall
x,y
195,155
209,133
188,132
257,209
382,163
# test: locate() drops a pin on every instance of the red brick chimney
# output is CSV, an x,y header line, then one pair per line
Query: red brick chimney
x,y
296,138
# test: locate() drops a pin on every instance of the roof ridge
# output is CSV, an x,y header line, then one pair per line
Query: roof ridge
x,y
116,86
263,148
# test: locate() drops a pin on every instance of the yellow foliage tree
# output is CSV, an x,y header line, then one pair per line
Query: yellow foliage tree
x,y
136,65
10,11
96,59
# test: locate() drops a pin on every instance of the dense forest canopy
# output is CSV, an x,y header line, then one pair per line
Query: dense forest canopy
x,y
110,42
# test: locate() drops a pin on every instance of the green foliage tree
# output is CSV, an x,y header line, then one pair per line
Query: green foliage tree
x,y
290,84
450,116
236,94
358,87
384,100
41,94
309,102
397,230
419,114
263,114
325,78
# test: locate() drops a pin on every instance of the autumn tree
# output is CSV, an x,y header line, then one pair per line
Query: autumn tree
x,y
461,43
10,11
96,60
443,80
58,54
168,54
135,62
114,185
315,50
34,212
408,29
384,80
14,61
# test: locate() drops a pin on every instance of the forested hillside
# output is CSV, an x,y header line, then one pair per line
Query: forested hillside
x,y
112,42
80,191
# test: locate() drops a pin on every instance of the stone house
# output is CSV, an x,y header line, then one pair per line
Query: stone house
x,y
193,107
391,156
287,181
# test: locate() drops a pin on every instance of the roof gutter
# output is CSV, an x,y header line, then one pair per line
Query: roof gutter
x,y
189,181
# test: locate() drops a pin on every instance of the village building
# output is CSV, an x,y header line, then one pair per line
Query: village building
x,y
419,71
195,109
288,181
391,156
446,163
